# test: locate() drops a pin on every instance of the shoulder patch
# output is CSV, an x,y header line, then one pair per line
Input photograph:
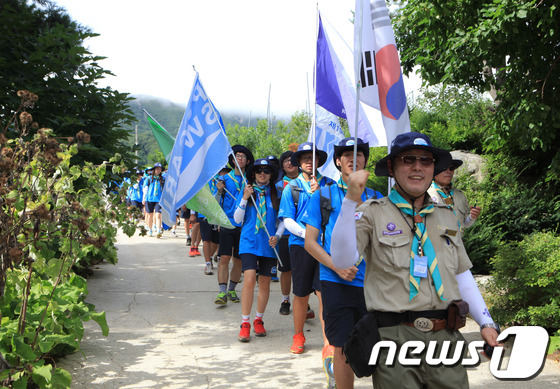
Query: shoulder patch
x,y
358,215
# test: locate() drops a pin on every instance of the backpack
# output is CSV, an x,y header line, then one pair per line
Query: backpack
x,y
326,206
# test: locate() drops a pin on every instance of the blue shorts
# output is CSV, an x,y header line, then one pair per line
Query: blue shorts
x,y
151,206
137,204
305,272
343,306
208,232
229,242
284,253
264,265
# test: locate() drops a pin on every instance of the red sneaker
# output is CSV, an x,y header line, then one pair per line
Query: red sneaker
x,y
259,327
245,332
191,252
298,343
196,252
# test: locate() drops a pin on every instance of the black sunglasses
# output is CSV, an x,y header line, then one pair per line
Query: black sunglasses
x,y
410,159
261,170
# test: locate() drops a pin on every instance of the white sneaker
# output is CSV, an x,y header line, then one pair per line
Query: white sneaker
x,y
150,233
174,233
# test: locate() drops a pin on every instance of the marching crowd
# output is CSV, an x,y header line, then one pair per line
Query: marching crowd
x,y
397,259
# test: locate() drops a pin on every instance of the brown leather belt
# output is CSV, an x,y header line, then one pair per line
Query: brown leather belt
x,y
423,324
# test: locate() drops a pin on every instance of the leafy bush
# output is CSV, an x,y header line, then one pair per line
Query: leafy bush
x,y
54,217
525,289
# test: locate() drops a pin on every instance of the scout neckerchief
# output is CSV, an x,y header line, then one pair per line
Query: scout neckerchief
x,y
262,191
305,184
447,198
421,245
234,178
342,185
157,187
285,181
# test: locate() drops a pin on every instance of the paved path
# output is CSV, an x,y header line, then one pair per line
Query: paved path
x,y
166,331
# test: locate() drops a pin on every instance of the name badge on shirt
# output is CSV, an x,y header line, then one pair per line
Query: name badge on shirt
x,y
420,266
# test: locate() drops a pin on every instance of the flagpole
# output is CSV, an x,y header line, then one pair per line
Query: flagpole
x,y
314,117
358,86
245,183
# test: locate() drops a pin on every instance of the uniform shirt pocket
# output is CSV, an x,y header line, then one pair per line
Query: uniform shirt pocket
x,y
449,244
394,252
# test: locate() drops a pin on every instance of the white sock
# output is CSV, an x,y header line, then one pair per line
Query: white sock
x,y
259,315
285,298
245,318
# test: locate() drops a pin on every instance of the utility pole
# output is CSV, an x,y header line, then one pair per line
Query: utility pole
x,y
136,144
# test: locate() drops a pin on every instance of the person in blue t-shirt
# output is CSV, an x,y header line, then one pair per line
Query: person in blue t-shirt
x,y
341,289
288,173
153,189
135,192
305,270
229,189
257,211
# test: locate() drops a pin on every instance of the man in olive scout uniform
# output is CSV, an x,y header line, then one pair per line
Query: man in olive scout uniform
x,y
416,264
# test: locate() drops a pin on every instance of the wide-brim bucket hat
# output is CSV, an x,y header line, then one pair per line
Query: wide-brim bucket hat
x,y
409,141
263,162
307,147
241,149
347,144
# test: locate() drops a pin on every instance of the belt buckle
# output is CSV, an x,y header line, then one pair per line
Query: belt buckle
x,y
423,324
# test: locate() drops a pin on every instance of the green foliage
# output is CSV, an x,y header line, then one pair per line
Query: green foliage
x,y
55,218
263,141
43,51
454,118
526,285
509,48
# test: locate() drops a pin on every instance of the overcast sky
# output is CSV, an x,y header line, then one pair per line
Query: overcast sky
x,y
240,48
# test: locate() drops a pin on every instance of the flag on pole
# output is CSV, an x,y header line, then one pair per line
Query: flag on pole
x,y
164,140
200,151
377,66
327,134
335,91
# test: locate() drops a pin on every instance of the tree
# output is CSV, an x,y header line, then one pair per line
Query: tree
x,y
508,48
42,50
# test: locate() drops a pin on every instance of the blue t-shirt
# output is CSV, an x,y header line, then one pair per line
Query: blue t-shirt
x,y
312,216
135,191
155,189
288,208
257,243
234,185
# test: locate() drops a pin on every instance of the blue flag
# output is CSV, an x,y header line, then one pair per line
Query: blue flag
x,y
335,90
201,149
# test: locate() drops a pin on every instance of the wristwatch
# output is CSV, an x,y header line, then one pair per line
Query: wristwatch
x,y
495,326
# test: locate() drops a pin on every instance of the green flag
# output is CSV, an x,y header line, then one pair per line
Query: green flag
x,y
164,140
203,202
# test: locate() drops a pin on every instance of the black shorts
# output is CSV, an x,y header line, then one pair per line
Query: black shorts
x,y
208,232
343,306
264,265
185,214
284,253
151,206
229,242
137,204
305,272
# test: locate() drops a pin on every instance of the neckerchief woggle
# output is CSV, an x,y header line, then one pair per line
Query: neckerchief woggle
x,y
445,196
426,245
262,192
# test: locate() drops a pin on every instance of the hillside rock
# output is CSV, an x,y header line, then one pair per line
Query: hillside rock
x,y
473,164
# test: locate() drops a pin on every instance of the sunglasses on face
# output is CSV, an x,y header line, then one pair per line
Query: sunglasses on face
x,y
263,170
452,168
410,159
